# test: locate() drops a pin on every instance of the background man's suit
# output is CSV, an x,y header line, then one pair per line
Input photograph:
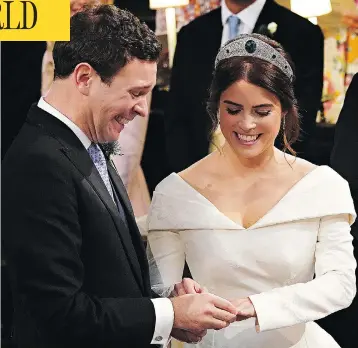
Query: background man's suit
x,y
84,281
344,158
186,121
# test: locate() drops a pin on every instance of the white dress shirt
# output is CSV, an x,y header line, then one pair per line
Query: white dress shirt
x,y
248,18
163,307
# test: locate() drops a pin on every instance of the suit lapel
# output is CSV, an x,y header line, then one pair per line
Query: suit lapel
x,y
78,155
216,30
135,234
82,161
117,182
214,33
265,16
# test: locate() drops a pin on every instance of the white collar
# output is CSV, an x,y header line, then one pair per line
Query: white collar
x,y
249,15
42,104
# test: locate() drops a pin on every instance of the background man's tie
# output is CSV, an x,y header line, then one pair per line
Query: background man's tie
x,y
234,23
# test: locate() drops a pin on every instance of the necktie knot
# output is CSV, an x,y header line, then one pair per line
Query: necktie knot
x,y
234,23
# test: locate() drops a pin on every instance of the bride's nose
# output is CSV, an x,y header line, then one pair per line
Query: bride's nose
x,y
247,123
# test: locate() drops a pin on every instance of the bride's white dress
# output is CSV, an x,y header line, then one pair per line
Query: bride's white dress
x,y
306,234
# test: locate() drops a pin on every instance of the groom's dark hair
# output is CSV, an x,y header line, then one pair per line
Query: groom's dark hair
x,y
107,38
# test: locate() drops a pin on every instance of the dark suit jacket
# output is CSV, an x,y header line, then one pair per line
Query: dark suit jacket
x,y
344,158
186,121
79,275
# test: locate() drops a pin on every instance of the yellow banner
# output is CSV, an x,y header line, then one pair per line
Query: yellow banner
x,y
35,20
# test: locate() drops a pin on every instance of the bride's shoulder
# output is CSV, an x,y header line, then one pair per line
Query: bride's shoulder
x,y
182,183
295,163
198,171
302,166
323,175
167,184
177,184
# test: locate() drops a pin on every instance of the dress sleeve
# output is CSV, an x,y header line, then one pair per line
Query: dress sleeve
x,y
166,257
333,288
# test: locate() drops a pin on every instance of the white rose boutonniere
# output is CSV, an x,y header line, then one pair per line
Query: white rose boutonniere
x,y
272,28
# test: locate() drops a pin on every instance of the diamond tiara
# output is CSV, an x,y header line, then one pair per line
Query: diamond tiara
x,y
247,46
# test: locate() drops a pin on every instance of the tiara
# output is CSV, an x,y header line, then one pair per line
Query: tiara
x,y
247,46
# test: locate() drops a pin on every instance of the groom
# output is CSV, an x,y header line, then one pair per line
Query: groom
x,y
76,261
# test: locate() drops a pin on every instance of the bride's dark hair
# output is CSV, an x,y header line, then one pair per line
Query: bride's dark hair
x,y
262,74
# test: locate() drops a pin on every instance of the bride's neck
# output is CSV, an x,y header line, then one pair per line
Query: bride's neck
x,y
239,165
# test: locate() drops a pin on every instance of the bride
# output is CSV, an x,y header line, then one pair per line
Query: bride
x,y
260,227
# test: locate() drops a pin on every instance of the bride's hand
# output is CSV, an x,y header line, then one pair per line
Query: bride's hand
x,y
188,286
245,308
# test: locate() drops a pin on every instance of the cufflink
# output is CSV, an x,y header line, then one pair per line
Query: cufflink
x,y
159,338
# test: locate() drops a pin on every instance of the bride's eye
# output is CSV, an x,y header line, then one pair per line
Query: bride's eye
x,y
263,113
233,111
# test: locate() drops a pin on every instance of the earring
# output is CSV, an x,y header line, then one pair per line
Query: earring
x,y
284,124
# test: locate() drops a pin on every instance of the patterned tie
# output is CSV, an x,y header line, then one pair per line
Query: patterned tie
x,y
234,23
99,161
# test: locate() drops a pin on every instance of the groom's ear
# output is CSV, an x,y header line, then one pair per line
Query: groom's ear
x,y
84,76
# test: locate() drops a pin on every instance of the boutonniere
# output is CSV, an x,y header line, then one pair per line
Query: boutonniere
x,y
272,27
111,149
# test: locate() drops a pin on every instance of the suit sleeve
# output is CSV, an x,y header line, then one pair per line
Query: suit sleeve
x,y
333,288
43,245
346,141
177,131
309,84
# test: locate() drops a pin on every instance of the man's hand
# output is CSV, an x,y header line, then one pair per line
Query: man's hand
x,y
245,308
188,286
187,336
197,312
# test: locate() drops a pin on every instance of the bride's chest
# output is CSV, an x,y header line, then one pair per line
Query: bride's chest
x,y
246,203
283,251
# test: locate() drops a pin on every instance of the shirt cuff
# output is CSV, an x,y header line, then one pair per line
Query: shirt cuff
x,y
164,320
